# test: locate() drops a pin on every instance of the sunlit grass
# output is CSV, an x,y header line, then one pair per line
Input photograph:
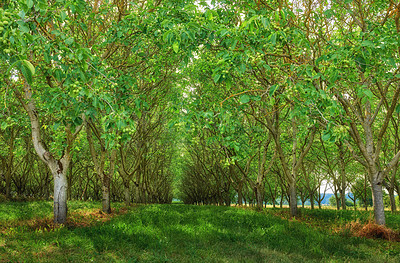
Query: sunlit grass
x,y
180,233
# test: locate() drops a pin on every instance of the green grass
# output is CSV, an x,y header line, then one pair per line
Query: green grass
x,y
180,233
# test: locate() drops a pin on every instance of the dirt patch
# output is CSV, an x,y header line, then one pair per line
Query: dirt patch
x,y
85,218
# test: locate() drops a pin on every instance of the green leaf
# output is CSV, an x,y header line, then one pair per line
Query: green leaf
x,y
208,114
368,93
26,68
326,136
24,29
29,3
277,16
175,47
244,98
27,74
120,124
228,84
234,43
69,41
63,15
256,98
224,32
398,108
77,121
265,22
216,78
167,36
138,114
4,125
272,89
392,62
29,65
273,38
329,13
367,43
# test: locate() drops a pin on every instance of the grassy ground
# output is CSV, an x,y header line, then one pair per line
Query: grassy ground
x,y
180,233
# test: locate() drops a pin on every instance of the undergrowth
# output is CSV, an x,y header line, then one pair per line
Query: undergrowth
x,y
181,233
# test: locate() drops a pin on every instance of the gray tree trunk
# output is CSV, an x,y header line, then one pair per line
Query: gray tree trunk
x,y
292,199
60,197
377,197
58,168
106,194
392,200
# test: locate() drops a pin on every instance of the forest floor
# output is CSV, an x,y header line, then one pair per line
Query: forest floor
x,y
183,233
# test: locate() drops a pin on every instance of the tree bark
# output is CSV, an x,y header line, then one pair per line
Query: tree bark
x,y
260,195
60,196
106,193
342,177
312,200
391,189
240,194
377,198
292,199
8,180
127,193
338,200
392,200
59,167
10,165
99,160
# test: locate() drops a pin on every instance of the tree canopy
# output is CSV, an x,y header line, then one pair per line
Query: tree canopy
x,y
205,101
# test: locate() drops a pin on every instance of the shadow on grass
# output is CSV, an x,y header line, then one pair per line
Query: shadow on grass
x,y
181,233
218,233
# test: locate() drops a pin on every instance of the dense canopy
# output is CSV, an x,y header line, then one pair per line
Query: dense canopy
x,y
209,102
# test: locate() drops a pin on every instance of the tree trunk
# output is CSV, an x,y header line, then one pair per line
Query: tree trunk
x,y
99,159
338,200
377,198
60,197
106,194
240,195
312,200
342,176
343,199
392,200
127,193
292,199
8,183
10,162
260,195
281,201
392,188
59,167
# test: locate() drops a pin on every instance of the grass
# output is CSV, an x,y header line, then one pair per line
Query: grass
x,y
181,233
